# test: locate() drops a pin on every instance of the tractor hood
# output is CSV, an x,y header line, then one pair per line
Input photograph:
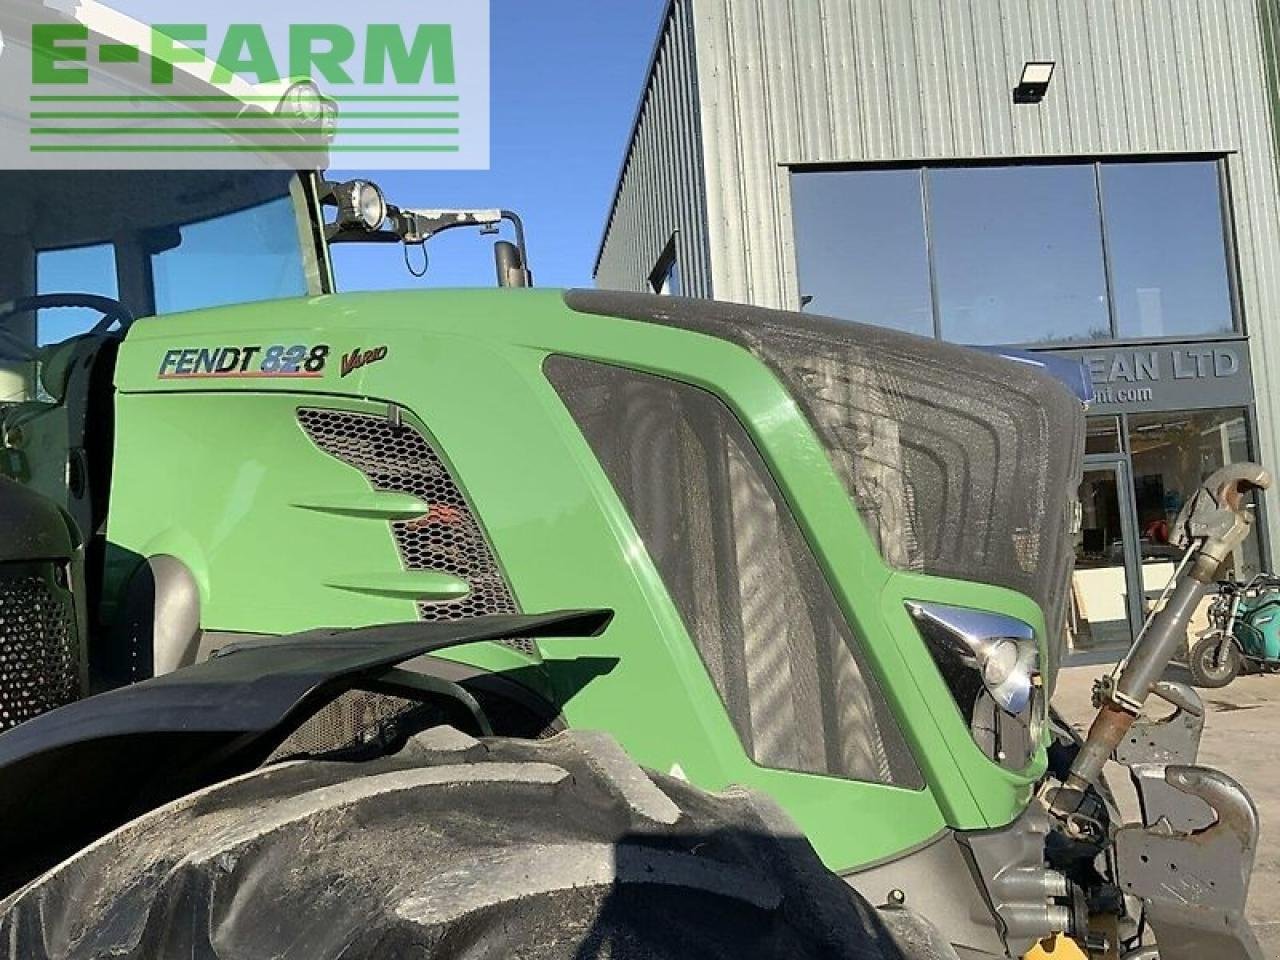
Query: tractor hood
x,y
962,464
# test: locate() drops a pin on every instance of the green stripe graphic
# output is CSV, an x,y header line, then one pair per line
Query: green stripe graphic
x,y
245,148
168,131
127,98
95,112
184,115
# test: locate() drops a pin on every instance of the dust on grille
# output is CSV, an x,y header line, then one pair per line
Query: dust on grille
x,y
352,720
395,457
39,649
787,665
962,465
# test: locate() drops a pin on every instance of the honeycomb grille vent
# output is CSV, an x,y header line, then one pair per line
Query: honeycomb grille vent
x,y
395,457
39,649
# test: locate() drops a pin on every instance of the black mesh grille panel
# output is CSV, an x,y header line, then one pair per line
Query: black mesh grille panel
x,y
780,652
39,649
961,464
349,721
448,538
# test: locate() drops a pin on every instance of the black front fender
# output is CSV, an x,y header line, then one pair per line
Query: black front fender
x,y
72,775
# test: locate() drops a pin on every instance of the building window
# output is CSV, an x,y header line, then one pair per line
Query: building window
x,y
1172,454
1017,254
665,279
1036,253
1102,435
1165,240
786,663
861,250
1132,493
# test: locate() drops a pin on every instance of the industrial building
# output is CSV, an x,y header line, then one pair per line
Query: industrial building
x,y
1095,179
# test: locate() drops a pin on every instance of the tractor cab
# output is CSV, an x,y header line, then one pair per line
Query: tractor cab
x,y
86,253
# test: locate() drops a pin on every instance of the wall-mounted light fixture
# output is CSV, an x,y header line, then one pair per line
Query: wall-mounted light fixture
x,y
1034,83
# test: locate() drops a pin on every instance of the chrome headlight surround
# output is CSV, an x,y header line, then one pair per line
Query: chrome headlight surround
x,y
991,666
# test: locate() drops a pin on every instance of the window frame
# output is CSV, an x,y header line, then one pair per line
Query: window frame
x,y
1097,162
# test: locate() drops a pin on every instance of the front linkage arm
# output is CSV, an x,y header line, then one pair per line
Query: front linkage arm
x,y
1213,523
1191,858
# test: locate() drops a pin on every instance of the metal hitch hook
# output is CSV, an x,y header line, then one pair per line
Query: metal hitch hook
x,y
1193,877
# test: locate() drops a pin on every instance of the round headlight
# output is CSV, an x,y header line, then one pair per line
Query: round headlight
x,y
372,206
361,205
304,102
999,662
990,663
1008,670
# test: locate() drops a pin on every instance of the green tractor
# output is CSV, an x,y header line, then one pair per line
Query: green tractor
x,y
310,602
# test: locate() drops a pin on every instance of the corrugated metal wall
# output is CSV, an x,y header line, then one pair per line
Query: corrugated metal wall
x,y
846,81
1264,318
867,80
1269,16
662,192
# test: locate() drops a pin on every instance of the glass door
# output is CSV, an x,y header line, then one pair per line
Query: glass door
x,y
1104,602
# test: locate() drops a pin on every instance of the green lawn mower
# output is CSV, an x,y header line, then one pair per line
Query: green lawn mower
x,y
316,609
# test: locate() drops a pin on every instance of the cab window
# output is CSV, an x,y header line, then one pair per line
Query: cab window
x,y
243,257
76,270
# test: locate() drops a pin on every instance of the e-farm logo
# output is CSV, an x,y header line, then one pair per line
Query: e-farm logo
x,y
315,50
393,93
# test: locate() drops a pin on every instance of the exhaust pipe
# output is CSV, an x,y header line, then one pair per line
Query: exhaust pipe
x,y
512,270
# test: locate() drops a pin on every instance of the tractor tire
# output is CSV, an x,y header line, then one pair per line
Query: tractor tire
x,y
1208,669
452,848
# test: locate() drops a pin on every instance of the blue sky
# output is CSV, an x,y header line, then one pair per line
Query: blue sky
x,y
567,75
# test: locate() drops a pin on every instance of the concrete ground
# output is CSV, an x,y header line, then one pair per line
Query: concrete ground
x,y
1241,738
